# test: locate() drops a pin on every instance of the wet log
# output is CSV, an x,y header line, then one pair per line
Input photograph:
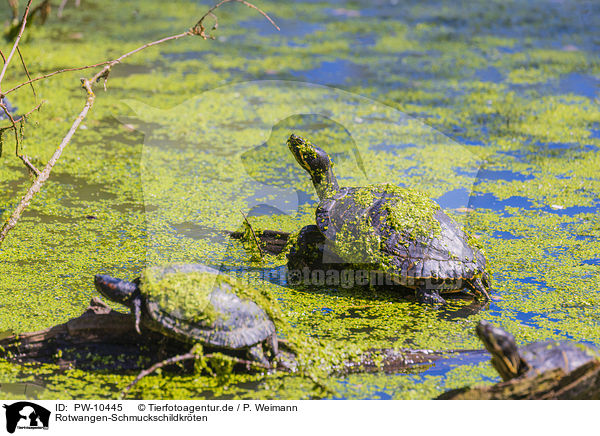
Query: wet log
x,y
582,383
389,361
104,339
100,338
271,241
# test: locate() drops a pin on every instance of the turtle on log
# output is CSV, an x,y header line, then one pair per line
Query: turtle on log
x,y
397,232
196,304
557,370
533,359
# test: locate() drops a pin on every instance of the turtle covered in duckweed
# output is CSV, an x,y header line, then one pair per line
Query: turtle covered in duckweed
x,y
384,228
196,304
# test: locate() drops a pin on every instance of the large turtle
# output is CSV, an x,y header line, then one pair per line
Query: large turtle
x,y
531,360
396,231
194,303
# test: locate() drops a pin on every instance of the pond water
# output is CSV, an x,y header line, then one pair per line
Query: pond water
x,y
492,110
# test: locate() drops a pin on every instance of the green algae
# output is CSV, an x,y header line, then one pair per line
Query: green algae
x,y
186,294
412,212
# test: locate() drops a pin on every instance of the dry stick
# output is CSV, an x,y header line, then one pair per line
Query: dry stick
x,y
154,367
16,44
181,358
23,157
22,117
41,179
198,28
87,84
54,73
27,72
103,73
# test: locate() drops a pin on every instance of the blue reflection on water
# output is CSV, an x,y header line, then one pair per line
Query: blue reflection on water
x,y
332,72
580,84
595,261
499,234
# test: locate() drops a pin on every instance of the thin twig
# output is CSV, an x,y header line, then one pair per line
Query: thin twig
x,y
27,72
22,117
180,358
54,73
102,73
166,362
199,29
88,85
41,179
253,235
23,157
16,44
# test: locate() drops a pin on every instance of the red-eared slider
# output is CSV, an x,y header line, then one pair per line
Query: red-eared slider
x,y
396,231
195,304
530,360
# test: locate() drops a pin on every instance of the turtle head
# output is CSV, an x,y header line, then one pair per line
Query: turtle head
x,y
120,291
503,348
316,162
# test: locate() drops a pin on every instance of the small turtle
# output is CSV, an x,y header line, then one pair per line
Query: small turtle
x,y
396,231
195,304
533,359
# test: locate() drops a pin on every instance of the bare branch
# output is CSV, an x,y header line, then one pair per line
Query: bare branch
x,y
22,117
16,44
24,158
166,362
104,71
88,85
41,179
54,73
199,29
187,356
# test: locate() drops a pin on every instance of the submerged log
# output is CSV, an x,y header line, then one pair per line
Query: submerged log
x,y
101,338
104,339
271,241
582,383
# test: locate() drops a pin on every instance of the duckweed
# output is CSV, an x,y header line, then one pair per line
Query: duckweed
x,y
508,90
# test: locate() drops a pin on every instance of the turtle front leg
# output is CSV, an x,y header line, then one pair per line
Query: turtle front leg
x,y
430,296
479,287
257,354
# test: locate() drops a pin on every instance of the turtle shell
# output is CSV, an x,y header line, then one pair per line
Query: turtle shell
x,y
550,355
400,232
195,303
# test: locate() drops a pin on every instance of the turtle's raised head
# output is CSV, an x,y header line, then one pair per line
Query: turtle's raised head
x,y
503,348
120,291
316,161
